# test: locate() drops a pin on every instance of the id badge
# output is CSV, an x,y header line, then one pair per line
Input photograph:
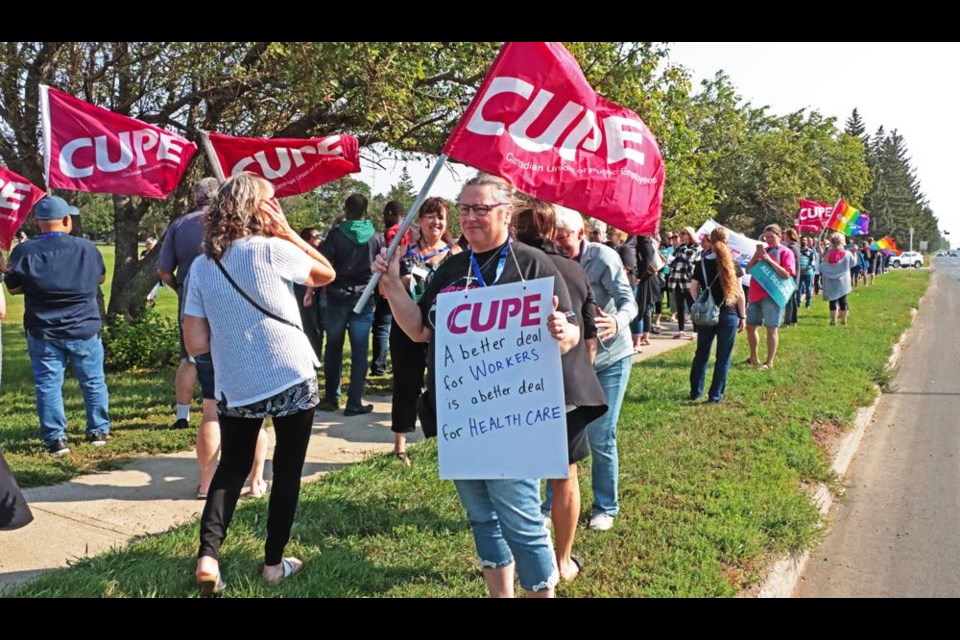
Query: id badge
x,y
419,272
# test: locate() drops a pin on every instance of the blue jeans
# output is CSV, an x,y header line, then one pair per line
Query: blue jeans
x,y
602,435
48,358
725,332
382,319
338,319
806,287
507,524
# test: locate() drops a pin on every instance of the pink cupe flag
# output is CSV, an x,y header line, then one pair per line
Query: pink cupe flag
x,y
537,122
292,165
17,197
812,216
88,148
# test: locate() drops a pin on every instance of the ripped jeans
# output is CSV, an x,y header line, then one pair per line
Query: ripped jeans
x,y
507,524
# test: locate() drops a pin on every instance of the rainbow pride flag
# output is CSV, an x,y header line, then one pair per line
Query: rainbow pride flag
x,y
886,242
843,218
861,226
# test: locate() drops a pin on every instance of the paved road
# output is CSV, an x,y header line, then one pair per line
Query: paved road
x,y
896,531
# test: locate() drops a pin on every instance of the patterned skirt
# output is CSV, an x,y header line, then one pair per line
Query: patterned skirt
x,y
300,397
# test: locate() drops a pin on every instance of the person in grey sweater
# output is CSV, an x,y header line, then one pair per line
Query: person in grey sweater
x,y
835,271
616,307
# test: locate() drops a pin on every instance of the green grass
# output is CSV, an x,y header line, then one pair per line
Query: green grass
x,y
709,493
141,406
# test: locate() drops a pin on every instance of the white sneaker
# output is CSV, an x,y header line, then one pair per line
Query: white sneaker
x,y
601,522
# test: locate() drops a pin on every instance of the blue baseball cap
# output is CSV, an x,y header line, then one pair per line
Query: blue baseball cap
x,y
54,208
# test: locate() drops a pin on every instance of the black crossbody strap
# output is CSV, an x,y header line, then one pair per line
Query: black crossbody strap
x,y
704,267
251,300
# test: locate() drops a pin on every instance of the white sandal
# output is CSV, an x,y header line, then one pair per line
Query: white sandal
x,y
290,566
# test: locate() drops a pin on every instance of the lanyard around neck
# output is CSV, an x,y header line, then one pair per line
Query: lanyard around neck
x,y
500,265
51,234
429,255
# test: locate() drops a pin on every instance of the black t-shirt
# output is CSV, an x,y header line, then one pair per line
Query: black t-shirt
x,y
710,262
60,276
455,275
581,388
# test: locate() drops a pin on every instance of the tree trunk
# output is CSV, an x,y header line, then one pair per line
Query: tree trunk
x,y
132,278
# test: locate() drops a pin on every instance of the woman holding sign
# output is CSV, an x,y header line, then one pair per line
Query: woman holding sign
x,y
762,308
508,528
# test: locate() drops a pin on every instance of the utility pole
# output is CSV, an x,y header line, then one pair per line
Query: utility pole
x,y
911,239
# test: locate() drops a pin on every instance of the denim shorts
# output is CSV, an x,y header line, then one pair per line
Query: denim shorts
x,y
765,312
508,527
205,375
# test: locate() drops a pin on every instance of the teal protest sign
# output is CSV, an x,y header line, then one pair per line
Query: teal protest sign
x,y
780,289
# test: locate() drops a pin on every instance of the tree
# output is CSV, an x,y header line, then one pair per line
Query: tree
x,y
856,128
895,200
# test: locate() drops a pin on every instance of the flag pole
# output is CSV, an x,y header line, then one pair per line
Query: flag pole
x,y
823,231
212,157
368,291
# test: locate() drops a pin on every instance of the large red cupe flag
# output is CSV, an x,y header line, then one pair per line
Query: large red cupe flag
x,y
17,197
88,148
537,122
292,165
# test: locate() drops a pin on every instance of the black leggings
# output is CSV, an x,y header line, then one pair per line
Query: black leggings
x,y
683,301
409,362
839,302
238,445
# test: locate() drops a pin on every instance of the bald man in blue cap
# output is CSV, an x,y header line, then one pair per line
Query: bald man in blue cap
x,y
59,276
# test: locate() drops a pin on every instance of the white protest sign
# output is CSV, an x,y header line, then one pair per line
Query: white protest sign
x,y
500,401
742,248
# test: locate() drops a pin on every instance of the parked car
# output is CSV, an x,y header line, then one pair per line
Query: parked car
x,y
907,259
942,253
952,254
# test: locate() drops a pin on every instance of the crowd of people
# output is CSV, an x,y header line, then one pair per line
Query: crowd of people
x,y
262,307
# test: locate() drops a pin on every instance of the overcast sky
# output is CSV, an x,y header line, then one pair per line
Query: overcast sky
x,y
905,86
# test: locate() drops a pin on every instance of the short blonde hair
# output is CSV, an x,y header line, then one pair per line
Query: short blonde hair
x,y
837,240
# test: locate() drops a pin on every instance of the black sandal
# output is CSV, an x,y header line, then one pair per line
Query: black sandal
x,y
402,457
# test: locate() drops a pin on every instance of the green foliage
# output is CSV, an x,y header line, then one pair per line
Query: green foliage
x,y
759,165
895,201
150,342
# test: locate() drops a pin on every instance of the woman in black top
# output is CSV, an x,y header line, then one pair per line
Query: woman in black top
x,y
717,270
417,265
536,226
508,527
648,284
626,247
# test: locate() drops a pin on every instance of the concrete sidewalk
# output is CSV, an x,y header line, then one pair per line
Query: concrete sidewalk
x,y
91,514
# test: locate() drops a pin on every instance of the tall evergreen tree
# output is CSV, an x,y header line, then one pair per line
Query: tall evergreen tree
x,y
856,127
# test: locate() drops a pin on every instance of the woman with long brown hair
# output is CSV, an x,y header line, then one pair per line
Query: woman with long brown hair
x,y
717,270
240,313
